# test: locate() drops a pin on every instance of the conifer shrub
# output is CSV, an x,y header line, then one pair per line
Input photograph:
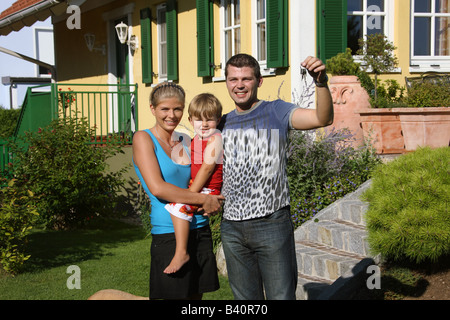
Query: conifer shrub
x,y
408,216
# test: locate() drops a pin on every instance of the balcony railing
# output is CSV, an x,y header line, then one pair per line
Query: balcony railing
x,y
110,109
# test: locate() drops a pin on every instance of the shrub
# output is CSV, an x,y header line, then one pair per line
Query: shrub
x,y
58,164
8,120
17,215
390,95
323,169
408,216
428,94
342,64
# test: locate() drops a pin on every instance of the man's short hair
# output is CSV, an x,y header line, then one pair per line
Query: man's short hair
x,y
241,60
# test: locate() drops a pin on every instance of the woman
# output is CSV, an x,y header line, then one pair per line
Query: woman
x,y
162,163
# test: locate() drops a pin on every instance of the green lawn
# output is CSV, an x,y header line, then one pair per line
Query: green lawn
x,y
110,255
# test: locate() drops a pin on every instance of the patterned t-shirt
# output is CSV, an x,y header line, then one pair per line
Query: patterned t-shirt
x,y
255,156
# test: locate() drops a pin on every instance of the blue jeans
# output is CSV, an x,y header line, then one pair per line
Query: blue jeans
x,y
260,253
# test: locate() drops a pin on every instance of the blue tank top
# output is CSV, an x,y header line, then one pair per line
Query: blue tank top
x,y
175,174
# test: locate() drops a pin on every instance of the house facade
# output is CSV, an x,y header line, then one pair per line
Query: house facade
x,y
189,42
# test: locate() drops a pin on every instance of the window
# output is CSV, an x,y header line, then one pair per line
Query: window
x,y
342,22
162,42
166,15
261,38
364,17
430,40
231,28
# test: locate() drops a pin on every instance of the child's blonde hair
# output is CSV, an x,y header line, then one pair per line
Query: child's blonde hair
x,y
205,105
165,90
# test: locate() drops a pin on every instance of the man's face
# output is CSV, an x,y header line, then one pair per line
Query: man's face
x,y
243,87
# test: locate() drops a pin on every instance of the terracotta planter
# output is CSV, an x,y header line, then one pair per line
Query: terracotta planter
x,y
425,127
382,128
348,96
400,130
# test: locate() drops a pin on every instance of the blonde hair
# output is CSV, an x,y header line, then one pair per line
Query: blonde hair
x,y
205,105
165,90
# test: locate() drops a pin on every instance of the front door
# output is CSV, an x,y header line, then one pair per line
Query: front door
x,y
123,81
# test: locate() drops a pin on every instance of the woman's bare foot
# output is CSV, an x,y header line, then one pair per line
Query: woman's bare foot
x,y
177,262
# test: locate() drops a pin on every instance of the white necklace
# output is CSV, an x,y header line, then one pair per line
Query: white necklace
x,y
167,144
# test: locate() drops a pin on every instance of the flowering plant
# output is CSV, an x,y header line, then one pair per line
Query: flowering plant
x,y
66,98
323,169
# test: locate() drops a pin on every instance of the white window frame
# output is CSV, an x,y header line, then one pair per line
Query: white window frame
x,y
223,29
388,19
431,62
161,57
255,43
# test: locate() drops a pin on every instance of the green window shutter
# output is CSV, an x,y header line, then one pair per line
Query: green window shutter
x,y
205,38
277,33
332,28
146,45
172,40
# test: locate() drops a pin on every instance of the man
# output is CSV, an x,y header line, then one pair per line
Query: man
x,y
257,232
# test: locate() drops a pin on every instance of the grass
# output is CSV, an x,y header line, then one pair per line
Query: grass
x,y
110,255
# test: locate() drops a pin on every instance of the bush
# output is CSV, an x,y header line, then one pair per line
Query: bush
x,y
428,94
17,215
390,95
408,216
8,120
324,169
342,64
58,164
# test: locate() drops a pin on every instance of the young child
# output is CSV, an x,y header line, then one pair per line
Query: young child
x,y
205,111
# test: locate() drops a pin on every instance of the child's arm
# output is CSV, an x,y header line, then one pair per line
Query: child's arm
x,y
211,156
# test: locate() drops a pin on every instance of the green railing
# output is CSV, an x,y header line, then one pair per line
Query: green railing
x,y
111,109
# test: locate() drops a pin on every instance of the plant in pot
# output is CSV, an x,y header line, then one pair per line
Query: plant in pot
x,y
426,120
381,126
402,124
348,94
378,56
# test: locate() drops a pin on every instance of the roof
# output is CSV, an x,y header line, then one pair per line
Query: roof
x,y
26,12
18,6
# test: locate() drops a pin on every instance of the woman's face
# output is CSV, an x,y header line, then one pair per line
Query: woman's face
x,y
168,113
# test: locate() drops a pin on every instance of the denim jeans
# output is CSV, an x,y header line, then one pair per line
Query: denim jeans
x,y
260,257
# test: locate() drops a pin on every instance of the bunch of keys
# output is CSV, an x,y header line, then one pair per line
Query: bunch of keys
x,y
303,73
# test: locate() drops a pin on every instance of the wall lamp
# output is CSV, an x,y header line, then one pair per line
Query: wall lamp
x,y
122,34
90,42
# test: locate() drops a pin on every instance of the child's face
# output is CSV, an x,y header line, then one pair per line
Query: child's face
x,y
204,126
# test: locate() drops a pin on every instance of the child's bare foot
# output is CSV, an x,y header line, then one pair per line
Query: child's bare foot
x,y
177,262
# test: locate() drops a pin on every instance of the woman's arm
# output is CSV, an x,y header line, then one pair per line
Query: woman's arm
x,y
145,158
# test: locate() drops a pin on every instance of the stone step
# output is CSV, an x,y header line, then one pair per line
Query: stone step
x,y
340,234
321,261
346,209
310,288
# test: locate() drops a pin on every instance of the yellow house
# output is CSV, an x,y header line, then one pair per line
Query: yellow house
x,y
184,41
189,42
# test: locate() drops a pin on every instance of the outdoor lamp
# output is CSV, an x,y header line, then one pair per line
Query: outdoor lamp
x,y
122,32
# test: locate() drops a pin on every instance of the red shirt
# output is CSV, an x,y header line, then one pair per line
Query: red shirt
x,y
215,180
